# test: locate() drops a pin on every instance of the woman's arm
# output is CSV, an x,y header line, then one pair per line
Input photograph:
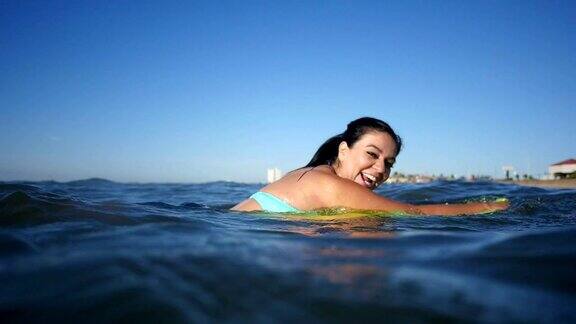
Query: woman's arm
x,y
346,193
464,209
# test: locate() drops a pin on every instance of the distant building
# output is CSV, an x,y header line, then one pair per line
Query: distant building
x,y
508,169
274,174
563,169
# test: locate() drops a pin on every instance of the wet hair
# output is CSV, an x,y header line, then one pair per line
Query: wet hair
x,y
327,153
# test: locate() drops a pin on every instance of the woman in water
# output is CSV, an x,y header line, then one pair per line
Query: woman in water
x,y
344,172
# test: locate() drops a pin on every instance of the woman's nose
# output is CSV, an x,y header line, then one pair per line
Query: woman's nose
x,y
379,165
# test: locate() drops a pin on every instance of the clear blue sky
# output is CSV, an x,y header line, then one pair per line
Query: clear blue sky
x,y
196,91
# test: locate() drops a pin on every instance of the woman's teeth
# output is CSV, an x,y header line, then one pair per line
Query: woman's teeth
x,y
369,176
369,179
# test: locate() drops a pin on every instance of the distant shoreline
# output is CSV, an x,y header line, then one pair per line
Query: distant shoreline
x,y
564,183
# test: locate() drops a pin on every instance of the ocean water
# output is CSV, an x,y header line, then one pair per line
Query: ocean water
x,y
95,251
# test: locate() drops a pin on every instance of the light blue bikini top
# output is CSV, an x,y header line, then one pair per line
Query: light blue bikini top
x,y
270,203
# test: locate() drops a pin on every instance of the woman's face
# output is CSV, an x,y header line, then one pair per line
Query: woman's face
x,y
369,160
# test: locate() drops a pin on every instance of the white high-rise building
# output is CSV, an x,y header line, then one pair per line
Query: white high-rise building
x,y
274,174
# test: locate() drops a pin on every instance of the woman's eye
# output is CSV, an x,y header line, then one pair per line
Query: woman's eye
x,y
372,154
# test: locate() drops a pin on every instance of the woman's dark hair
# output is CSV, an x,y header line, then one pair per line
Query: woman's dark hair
x,y
328,152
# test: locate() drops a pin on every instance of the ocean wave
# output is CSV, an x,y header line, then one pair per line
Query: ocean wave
x,y
175,252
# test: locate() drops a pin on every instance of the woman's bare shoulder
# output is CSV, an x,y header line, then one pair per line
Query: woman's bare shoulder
x,y
334,191
312,176
321,184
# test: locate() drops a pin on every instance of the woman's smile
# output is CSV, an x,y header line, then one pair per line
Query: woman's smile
x,y
367,180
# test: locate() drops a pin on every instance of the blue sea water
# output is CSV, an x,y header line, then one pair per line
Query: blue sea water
x,y
96,251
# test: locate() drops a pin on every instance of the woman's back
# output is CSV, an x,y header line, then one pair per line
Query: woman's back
x,y
304,189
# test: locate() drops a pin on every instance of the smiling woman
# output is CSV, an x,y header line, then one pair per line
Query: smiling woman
x,y
344,172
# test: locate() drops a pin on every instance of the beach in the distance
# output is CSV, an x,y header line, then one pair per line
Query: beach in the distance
x,y
558,183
